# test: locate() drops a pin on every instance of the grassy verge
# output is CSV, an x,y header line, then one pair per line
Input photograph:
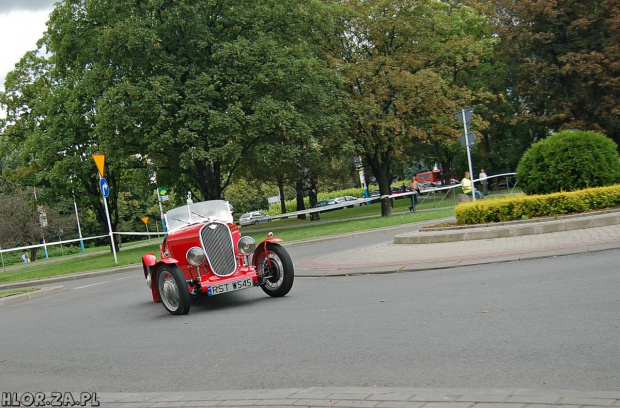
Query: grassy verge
x,y
16,292
77,264
291,229
306,230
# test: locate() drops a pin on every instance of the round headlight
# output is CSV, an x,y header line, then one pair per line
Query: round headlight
x,y
195,256
247,245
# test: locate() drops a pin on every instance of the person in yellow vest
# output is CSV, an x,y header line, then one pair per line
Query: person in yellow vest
x,y
468,187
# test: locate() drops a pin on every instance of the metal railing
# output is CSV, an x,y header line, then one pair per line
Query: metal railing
x,y
439,195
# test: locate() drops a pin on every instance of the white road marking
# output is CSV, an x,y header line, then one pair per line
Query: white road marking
x,y
101,283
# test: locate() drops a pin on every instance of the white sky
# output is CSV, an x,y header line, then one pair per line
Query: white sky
x,y
22,23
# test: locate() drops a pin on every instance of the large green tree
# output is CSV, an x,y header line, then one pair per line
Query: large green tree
x,y
183,89
403,61
202,83
564,62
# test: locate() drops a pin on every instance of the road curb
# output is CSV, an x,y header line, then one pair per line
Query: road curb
x,y
449,264
22,297
63,278
508,229
363,233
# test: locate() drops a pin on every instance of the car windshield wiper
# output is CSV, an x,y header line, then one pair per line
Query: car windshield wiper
x,y
183,221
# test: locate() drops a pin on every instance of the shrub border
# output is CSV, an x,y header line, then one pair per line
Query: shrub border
x,y
527,207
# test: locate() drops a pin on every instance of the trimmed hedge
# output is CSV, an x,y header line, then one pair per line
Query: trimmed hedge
x,y
525,207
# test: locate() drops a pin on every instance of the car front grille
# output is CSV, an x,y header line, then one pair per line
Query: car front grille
x,y
218,244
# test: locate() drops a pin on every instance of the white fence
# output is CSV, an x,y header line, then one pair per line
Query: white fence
x,y
425,195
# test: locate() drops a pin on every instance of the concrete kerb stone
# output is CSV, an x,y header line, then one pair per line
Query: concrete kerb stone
x,y
510,229
554,226
22,297
62,278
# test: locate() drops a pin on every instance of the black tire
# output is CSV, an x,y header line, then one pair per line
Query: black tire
x,y
172,290
277,270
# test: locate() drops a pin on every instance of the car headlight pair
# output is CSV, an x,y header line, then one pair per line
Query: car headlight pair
x,y
196,256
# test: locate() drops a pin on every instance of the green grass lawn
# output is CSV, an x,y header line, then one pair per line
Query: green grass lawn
x,y
289,229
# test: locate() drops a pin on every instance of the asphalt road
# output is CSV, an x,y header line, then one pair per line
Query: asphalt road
x,y
545,324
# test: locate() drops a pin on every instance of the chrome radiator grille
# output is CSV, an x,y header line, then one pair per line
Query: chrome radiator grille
x,y
218,244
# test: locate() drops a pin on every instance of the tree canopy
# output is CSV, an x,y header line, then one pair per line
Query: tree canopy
x,y
192,93
564,63
403,61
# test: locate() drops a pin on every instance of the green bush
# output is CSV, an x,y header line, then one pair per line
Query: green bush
x,y
526,207
569,161
246,197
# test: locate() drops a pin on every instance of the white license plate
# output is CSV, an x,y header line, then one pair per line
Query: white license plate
x,y
229,287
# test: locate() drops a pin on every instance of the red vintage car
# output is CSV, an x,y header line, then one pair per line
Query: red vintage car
x,y
205,254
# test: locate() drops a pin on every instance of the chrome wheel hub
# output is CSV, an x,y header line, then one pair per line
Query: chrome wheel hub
x,y
169,291
273,275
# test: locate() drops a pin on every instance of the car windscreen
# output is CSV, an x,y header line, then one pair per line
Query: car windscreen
x,y
213,210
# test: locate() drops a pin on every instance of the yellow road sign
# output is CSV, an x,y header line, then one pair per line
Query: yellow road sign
x,y
100,162
145,220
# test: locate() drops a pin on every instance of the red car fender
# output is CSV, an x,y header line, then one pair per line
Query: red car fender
x,y
262,247
150,266
148,261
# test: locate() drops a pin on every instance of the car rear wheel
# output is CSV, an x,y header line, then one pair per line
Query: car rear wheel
x,y
276,268
172,290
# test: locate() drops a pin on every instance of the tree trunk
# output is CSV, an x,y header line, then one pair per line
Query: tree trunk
x,y
312,195
208,178
299,195
282,198
381,170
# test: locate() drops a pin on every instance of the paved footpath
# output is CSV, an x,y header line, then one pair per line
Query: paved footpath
x,y
448,248
366,397
445,248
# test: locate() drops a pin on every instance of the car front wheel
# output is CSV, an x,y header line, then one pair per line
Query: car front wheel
x,y
276,268
173,290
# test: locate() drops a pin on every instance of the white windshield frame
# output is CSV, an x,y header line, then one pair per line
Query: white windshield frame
x,y
197,213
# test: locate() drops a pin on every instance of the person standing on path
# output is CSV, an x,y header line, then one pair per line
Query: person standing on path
x,y
415,190
484,181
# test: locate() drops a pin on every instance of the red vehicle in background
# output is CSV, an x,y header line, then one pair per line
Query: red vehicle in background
x,y
428,179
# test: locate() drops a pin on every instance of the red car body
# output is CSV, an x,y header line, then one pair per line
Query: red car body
x,y
208,256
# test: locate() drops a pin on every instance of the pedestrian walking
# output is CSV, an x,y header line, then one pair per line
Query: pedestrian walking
x,y
484,182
